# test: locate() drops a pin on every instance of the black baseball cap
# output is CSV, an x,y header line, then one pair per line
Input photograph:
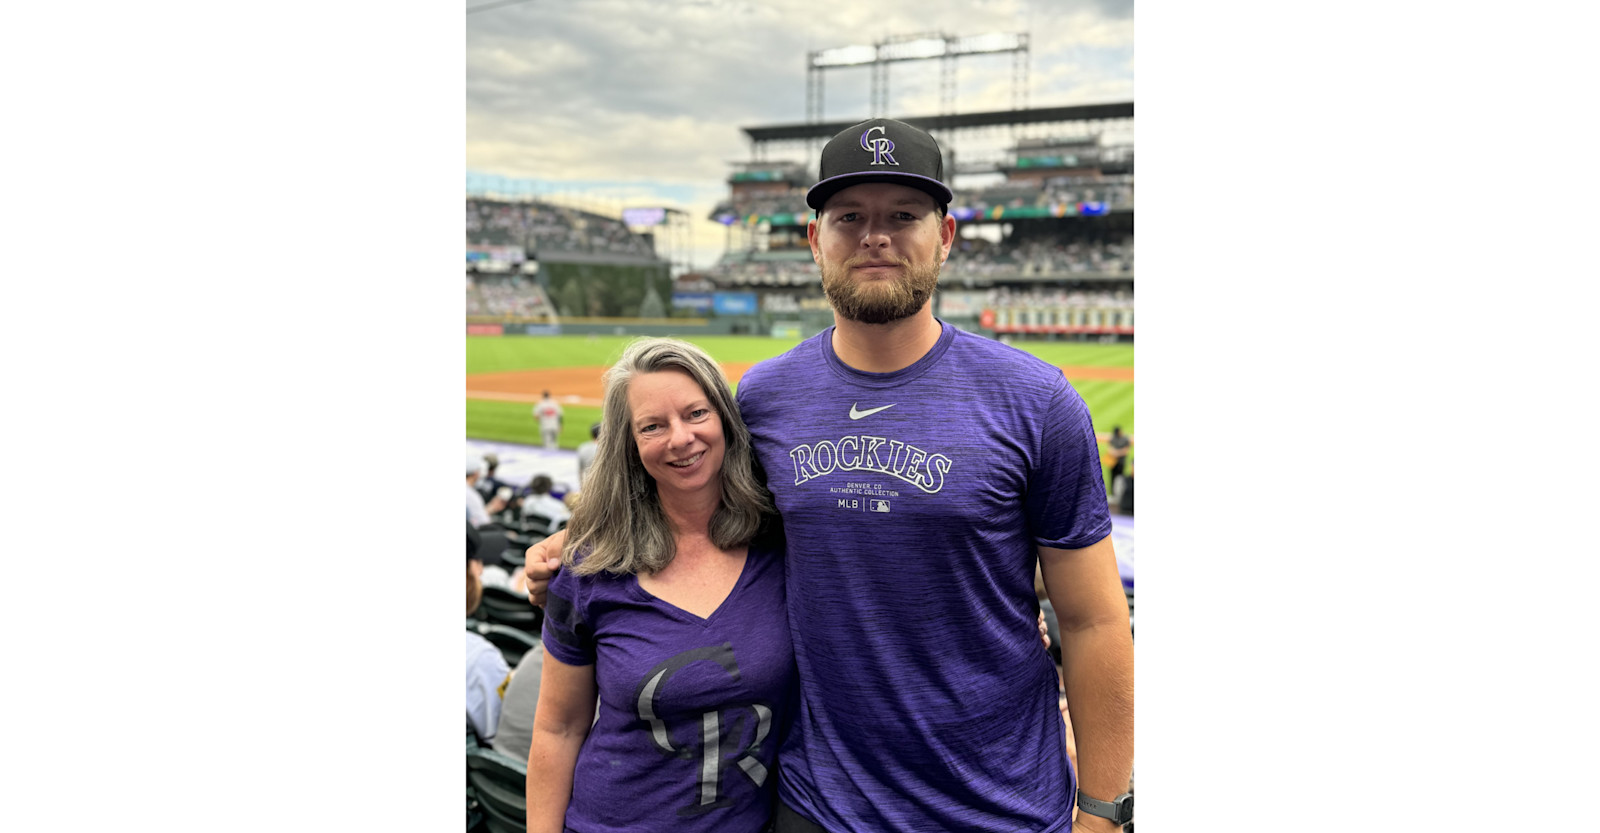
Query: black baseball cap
x,y
881,150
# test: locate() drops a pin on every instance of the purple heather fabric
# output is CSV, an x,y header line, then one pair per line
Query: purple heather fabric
x,y
691,710
914,503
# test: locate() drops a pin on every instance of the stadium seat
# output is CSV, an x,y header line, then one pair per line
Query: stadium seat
x,y
494,543
513,643
520,542
475,813
505,607
477,820
539,527
500,783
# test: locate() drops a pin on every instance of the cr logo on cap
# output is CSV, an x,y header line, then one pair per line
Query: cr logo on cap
x,y
882,149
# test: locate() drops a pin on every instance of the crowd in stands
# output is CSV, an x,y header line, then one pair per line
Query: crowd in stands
x,y
1115,191
793,202
1055,257
501,697
546,228
737,268
514,295
979,258
1054,298
1038,256
501,691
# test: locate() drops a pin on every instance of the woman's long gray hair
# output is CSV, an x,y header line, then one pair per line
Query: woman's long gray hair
x,y
617,521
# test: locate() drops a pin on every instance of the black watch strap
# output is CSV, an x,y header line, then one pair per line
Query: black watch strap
x,y
1119,810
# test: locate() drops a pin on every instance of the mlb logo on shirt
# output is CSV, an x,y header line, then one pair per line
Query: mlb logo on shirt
x,y
878,505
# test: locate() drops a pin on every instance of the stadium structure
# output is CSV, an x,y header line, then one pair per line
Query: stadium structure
x,y
1045,242
1044,200
532,263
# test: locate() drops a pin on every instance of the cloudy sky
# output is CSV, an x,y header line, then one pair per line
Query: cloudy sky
x,y
627,103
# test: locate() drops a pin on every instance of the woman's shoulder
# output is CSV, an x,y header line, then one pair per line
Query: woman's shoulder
x,y
597,582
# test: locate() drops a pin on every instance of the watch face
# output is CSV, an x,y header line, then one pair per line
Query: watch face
x,y
1125,809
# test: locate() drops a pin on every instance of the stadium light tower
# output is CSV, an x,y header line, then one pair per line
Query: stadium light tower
x,y
920,47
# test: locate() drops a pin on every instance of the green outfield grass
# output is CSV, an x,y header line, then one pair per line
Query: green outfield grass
x,y
1110,402
1080,353
513,422
491,354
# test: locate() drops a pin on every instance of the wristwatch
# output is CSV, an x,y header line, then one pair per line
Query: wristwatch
x,y
1119,811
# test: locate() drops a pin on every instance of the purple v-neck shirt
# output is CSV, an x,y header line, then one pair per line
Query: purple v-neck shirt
x,y
691,710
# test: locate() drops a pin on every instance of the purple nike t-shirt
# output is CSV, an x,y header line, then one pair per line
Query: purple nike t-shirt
x,y
691,710
914,504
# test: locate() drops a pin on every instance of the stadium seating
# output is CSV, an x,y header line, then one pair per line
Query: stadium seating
x,y
504,607
548,229
535,525
520,541
1041,256
475,813
500,784
506,296
512,642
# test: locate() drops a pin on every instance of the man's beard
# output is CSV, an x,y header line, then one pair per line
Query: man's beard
x,y
879,301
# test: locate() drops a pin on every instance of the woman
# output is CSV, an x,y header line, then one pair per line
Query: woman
x,y
670,609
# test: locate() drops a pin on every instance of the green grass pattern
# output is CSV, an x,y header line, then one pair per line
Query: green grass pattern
x,y
1110,403
493,354
513,422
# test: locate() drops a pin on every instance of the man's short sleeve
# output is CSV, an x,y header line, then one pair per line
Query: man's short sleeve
x,y
1066,493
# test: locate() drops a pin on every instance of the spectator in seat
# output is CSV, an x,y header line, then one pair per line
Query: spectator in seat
x,y
1118,445
515,732
540,502
487,673
490,485
586,453
479,513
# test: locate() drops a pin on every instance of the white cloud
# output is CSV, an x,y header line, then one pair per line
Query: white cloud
x,y
653,95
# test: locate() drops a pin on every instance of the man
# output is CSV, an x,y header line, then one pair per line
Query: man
x,y
551,513
909,483
1119,457
514,733
586,453
479,514
549,415
487,673
490,485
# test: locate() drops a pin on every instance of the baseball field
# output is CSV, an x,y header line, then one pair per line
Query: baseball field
x,y
506,374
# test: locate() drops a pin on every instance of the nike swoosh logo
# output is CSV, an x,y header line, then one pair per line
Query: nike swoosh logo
x,y
855,414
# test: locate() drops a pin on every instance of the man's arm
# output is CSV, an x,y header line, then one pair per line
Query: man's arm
x,y
1097,655
560,724
541,562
